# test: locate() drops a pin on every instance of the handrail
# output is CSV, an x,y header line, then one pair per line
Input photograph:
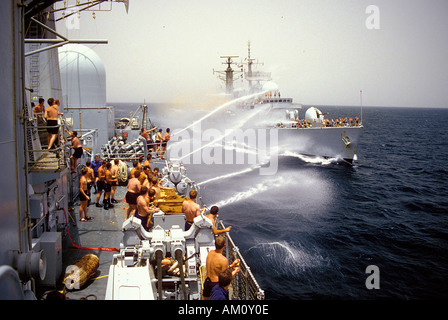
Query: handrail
x,y
60,160
88,137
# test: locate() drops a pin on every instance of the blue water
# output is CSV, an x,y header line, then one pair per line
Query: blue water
x,y
311,230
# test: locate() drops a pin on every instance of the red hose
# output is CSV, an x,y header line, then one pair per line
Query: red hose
x,y
85,248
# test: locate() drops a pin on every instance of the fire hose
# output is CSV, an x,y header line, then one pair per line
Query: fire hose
x,y
84,248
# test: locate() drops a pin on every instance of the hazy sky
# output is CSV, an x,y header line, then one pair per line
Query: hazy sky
x,y
319,52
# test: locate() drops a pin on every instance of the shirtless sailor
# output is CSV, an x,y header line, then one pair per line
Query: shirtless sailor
x,y
144,210
114,172
90,178
212,216
132,194
191,209
215,263
110,181
84,195
101,182
78,151
51,114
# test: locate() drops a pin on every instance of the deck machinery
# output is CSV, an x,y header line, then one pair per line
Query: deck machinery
x,y
168,263
137,273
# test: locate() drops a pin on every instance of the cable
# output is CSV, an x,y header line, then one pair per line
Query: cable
x,y
85,248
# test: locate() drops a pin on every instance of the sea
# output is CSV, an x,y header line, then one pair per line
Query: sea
x,y
316,229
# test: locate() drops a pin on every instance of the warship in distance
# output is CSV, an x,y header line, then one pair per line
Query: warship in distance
x,y
313,133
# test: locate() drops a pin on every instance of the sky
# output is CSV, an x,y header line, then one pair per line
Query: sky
x,y
320,52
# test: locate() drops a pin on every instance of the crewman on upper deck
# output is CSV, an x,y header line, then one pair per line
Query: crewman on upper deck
x,y
145,134
51,114
166,138
39,110
159,139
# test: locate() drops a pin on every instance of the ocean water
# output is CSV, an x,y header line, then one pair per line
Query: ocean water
x,y
311,230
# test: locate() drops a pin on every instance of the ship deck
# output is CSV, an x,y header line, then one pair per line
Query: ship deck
x,y
103,231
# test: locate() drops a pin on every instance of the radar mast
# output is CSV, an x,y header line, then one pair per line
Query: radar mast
x,y
228,75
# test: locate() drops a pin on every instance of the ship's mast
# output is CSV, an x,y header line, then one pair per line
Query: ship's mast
x,y
249,66
228,73
254,76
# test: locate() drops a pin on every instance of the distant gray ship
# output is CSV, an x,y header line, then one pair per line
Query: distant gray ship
x,y
312,134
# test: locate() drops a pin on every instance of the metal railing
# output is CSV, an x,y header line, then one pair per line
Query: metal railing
x,y
89,140
244,285
57,158
38,157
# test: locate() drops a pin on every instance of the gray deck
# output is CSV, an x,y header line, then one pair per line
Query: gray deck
x,y
104,231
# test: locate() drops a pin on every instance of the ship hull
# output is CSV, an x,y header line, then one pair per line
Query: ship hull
x,y
340,143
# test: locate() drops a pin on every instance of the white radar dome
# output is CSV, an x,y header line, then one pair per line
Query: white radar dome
x,y
314,114
83,77
270,86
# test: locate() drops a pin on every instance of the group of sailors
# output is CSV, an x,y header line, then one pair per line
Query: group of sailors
x,y
338,122
102,175
341,122
160,142
271,94
48,117
143,189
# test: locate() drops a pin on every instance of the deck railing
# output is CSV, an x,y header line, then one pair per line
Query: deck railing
x,y
41,159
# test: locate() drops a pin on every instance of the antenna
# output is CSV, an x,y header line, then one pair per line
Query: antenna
x,y
360,93
256,76
126,4
92,5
